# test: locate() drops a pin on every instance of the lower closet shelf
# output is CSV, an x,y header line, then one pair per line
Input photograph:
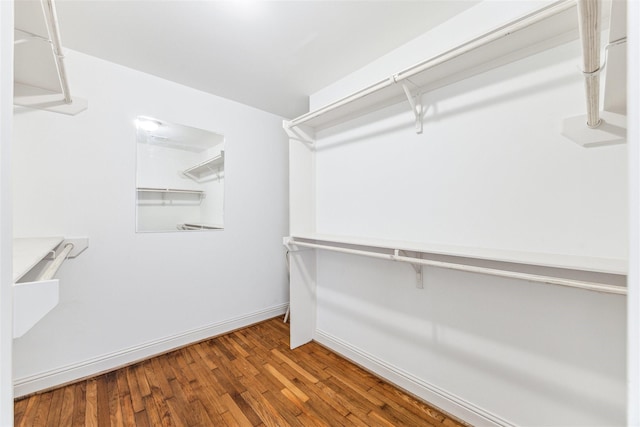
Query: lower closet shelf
x,y
32,300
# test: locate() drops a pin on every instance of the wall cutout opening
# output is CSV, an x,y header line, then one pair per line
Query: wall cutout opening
x,y
179,178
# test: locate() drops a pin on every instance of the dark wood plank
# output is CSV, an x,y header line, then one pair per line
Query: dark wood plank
x,y
79,405
104,414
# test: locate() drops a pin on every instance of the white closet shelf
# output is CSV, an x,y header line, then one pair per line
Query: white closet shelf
x,y
200,226
206,169
532,33
28,252
562,261
40,79
169,190
33,300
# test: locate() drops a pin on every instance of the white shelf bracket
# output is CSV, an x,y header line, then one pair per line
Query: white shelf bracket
x,y
416,266
416,106
299,132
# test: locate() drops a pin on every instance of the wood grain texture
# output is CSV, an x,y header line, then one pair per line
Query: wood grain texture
x,y
248,377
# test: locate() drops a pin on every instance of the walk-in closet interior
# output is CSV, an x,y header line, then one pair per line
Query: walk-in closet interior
x,y
444,193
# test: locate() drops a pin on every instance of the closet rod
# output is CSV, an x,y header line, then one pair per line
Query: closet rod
x,y
589,24
462,49
53,268
590,286
51,21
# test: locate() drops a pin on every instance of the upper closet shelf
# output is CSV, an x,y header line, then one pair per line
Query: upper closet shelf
x,y
532,33
205,170
40,79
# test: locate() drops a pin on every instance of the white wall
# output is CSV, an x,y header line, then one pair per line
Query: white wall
x,y
6,111
130,295
490,170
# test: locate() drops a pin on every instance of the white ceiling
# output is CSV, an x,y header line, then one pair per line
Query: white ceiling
x,y
267,54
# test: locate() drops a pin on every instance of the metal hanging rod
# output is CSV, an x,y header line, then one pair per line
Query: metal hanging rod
x,y
589,24
504,31
167,190
51,21
53,268
590,286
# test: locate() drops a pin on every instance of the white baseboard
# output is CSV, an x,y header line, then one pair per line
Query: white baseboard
x,y
439,398
127,356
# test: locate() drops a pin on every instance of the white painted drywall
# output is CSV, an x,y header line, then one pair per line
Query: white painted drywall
x,y
6,112
633,304
76,176
490,170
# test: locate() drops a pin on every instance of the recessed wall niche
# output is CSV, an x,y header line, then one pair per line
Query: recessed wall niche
x,y
179,177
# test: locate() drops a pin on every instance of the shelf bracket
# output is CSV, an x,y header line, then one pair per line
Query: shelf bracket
x,y
417,267
416,106
299,132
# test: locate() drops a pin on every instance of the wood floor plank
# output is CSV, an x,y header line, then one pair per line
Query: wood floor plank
x,y
30,411
142,419
104,417
249,377
128,414
134,389
115,407
53,417
204,355
267,413
79,405
18,411
156,377
66,407
152,416
235,411
91,411
299,369
286,382
157,408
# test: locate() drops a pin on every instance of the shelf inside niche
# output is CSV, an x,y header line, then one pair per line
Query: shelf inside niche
x,y
169,196
207,169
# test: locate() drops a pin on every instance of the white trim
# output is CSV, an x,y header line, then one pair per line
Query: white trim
x,y
6,209
633,284
436,396
127,356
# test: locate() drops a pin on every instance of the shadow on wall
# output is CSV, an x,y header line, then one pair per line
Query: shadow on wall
x,y
539,383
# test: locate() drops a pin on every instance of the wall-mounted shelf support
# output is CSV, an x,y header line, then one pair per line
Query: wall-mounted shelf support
x,y
416,106
417,267
300,133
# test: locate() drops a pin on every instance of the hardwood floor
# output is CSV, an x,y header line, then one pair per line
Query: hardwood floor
x,y
249,377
